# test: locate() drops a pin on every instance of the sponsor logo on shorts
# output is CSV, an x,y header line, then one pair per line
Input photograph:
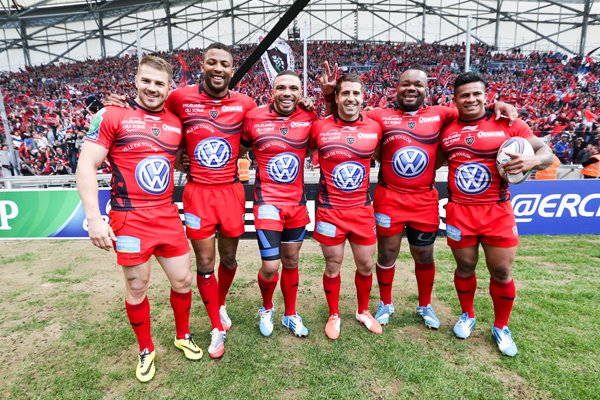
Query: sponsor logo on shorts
x,y
515,231
526,206
284,168
453,233
213,153
192,221
128,244
348,176
410,162
153,174
326,229
473,178
385,221
268,211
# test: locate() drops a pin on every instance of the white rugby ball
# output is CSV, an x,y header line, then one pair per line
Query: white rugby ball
x,y
514,145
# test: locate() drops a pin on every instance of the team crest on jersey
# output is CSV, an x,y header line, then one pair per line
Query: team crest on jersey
x,y
411,124
213,153
348,176
284,168
155,131
214,113
410,162
473,178
350,139
469,140
283,130
153,174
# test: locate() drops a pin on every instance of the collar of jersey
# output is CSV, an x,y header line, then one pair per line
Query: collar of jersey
x,y
201,90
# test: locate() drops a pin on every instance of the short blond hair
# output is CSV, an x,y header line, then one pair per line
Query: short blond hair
x,y
157,63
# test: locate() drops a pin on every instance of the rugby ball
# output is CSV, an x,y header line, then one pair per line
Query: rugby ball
x,y
514,145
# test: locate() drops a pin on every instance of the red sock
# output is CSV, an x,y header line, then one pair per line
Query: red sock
x,y
363,291
181,304
465,288
332,293
267,288
225,278
385,278
425,274
503,297
139,318
207,286
289,288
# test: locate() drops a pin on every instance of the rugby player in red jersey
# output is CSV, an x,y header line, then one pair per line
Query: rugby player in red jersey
x,y
141,143
405,196
279,135
213,198
479,210
346,143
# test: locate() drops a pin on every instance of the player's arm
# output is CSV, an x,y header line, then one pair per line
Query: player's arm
x,y
522,163
92,156
440,158
182,160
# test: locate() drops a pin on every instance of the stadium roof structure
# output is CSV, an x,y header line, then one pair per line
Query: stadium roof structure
x,y
36,32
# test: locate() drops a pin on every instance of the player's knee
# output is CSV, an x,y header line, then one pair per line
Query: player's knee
x,y
205,264
422,255
385,257
290,261
136,290
365,267
228,259
501,273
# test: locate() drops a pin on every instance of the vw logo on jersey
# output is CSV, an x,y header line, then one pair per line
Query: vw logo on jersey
x,y
348,176
284,168
410,162
473,178
153,174
213,153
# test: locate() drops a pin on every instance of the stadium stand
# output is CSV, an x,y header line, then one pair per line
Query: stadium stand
x,y
558,96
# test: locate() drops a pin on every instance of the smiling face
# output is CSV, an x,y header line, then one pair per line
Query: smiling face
x,y
411,90
469,99
349,100
286,93
218,71
152,87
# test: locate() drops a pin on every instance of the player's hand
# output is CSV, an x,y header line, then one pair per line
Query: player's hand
x,y
505,110
520,163
116,100
101,233
328,78
306,104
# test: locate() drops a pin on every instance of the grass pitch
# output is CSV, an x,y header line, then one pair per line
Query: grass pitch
x,y
64,333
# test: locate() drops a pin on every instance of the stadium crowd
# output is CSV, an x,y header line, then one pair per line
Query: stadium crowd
x,y
50,107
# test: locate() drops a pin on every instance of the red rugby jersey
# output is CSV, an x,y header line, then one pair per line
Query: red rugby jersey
x,y
279,143
345,151
212,128
471,149
408,146
141,150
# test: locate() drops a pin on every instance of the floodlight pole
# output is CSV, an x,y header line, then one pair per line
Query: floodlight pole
x,y
9,142
468,46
